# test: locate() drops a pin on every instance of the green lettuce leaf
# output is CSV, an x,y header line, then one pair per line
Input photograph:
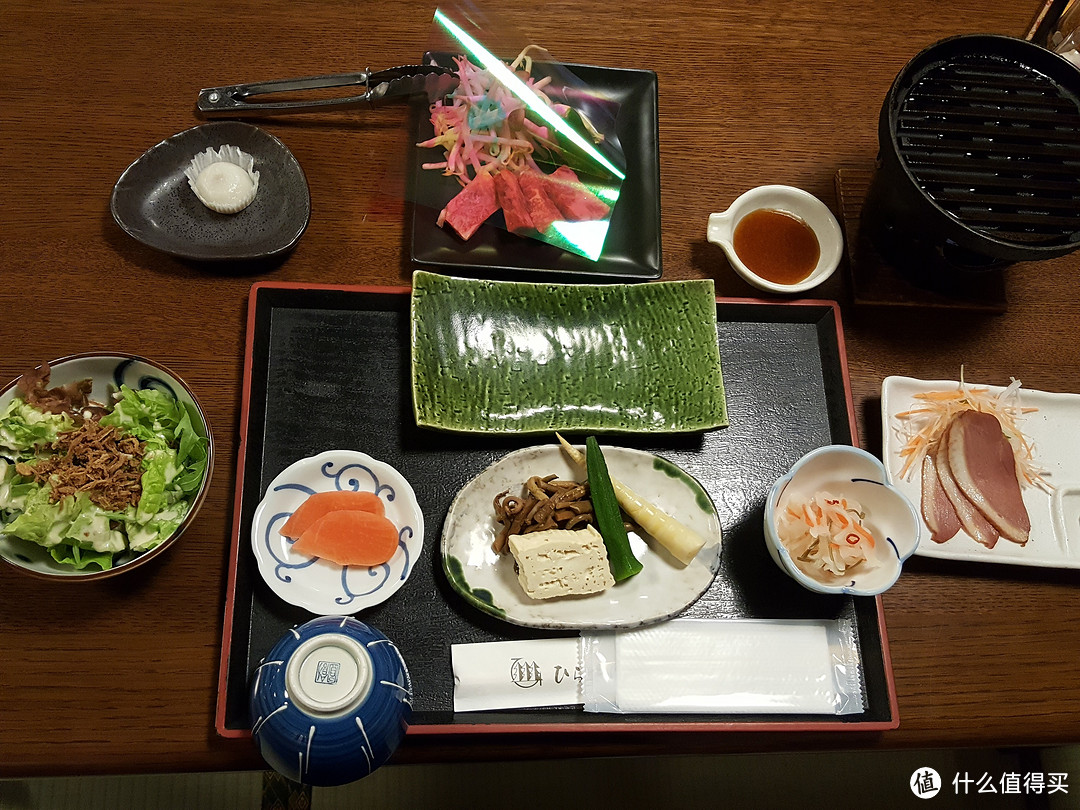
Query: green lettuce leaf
x,y
81,558
23,427
147,413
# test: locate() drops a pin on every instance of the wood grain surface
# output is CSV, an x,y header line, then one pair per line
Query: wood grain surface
x,y
121,676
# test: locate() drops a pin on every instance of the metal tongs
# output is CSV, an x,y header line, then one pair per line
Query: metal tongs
x,y
392,84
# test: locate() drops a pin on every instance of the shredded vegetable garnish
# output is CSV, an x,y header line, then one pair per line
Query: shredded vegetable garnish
x,y
483,127
826,534
921,428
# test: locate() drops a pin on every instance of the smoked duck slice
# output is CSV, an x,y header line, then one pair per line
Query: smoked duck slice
x,y
971,519
984,467
937,509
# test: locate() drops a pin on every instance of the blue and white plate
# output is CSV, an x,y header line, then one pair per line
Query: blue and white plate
x,y
320,586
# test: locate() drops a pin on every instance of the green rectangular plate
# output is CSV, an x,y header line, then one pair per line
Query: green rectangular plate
x,y
521,357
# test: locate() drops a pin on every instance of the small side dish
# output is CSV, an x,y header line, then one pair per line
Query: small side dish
x,y
973,457
835,525
224,179
1032,444
343,526
564,578
337,532
153,201
495,141
779,238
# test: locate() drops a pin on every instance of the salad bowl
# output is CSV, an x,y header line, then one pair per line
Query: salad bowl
x,y
162,412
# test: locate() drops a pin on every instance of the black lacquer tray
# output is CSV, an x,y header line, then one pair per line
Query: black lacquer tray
x,y
328,368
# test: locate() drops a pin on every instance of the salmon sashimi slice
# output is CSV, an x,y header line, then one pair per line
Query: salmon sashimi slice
x,y
349,537
322,503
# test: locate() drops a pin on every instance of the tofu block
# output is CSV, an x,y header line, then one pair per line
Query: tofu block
x,y
559,562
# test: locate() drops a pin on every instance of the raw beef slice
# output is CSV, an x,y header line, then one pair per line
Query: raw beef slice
x,y
512,202
542,210
472,206
573,199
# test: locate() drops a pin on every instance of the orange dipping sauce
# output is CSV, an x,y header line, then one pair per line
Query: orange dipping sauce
x,y
777,246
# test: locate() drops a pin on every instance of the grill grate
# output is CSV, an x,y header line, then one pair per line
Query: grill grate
x,y
997,145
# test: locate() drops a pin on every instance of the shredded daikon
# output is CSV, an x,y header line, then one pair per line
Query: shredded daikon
x,y
921,428
825,534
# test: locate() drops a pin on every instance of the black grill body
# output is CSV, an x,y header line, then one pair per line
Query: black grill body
x,y
979,161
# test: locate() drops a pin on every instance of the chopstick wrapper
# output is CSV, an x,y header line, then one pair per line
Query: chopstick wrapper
x,y
682,666
516,674
733,666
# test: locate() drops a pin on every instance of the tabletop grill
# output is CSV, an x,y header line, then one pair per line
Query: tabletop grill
x,y
980,153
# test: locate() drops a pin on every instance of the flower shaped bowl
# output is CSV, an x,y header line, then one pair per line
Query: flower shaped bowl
x,y
890,516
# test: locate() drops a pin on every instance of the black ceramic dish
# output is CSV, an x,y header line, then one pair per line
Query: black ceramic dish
x,y
309,350
153,202
632,249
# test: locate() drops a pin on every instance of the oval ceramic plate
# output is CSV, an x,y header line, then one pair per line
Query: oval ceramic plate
x,y
663,588
153,202
320,586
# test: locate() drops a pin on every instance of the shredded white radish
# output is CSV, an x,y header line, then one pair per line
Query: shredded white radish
x,y
825,534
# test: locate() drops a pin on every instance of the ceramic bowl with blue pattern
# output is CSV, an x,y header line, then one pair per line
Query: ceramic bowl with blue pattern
x,y
108,372
331,702
320,586
852,473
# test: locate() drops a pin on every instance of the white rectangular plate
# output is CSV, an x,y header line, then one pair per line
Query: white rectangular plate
x,y
1055,516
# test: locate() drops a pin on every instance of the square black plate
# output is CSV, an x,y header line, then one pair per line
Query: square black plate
x,y
328,368
632,250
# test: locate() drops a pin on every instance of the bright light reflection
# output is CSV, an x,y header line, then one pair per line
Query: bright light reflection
x,y
506,76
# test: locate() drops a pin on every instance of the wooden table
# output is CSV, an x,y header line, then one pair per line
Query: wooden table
x,y
121,676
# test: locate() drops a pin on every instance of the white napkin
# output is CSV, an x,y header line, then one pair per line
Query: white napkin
x,y
516,674
722,667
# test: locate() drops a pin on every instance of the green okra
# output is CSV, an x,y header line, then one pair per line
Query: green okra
x,y
608,516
